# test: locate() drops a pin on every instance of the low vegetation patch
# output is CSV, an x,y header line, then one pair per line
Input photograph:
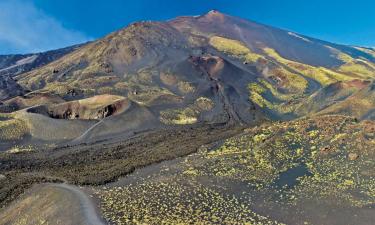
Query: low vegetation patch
x,y
12,129
325,159
174,202
234,48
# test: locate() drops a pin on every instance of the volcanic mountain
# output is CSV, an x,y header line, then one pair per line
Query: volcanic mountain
x,y
213,68
280,124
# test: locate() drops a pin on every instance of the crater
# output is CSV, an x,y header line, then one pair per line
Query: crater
x,y
95,108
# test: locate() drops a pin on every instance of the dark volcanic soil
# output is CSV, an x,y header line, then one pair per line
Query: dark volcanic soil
x,y
102,162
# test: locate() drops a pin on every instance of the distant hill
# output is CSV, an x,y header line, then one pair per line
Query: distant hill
x,y
12,65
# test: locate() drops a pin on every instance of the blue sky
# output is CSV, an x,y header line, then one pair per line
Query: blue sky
x,y
39,25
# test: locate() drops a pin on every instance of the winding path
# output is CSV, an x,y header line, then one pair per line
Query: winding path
x,y
55,204
88,208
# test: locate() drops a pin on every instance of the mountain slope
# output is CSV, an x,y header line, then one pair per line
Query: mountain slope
x,y
17,64
195,120
12,65
213,68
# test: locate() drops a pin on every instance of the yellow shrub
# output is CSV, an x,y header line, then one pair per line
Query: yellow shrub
x,y
185,87
323,75
234,48
179,116
106,90
13,129
204,104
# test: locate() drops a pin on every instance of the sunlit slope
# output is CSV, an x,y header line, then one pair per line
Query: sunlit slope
x,y
290,67
21,130
213,68
91,119
361,104
150,63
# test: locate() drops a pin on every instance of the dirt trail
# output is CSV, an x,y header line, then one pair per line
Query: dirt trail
x,y
56,204
90,213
